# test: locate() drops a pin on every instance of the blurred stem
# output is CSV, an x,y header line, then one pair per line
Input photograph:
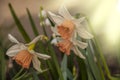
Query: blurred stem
x,y
100,51
42,21
18,74
118,55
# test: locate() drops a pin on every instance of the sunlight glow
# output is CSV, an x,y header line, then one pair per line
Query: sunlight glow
x,y
112,29
118,6
102,12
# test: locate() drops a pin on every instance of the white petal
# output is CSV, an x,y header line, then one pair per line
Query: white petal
x,y
57,19
54,30
77,52
35,40
44,13
82,45
47,22
65,13
12,51
42,56
74,36
36,63
54,41
83,33
12,39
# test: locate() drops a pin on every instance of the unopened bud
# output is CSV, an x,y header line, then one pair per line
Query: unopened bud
x,y
43,12
47,22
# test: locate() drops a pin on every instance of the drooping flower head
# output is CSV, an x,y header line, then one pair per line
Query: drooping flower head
x,y
69,28
23,54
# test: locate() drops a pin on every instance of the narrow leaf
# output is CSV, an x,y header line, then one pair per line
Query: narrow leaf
x,y
18,23
34,28
64,67
82,66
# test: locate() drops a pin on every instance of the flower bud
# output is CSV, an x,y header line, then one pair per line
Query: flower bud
x,y
47,22
44,13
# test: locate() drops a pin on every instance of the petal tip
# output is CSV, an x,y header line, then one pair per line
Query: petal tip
x,y
12,39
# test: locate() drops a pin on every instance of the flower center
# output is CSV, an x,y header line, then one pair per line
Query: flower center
x,y
66,29
23,58
65,46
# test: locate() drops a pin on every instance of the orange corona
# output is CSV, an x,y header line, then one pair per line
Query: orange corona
x,y
23,58
65,46
66,29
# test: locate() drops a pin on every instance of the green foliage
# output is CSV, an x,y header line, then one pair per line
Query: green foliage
x,y
19,25
32,23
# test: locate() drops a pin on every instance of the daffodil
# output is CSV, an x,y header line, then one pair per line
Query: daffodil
x,y
69,28
24,55
66,46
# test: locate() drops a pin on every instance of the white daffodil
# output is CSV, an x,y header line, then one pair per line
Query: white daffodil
x,y
68,28
24,54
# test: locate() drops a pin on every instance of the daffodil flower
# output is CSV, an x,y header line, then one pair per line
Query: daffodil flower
x,y
66,46
69,28
23,54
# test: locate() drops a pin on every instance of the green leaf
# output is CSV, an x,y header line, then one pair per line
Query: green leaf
x,y
18,23
90,76
50,63
34,28
54,57
51,22
96,54
114,78
101,56
69,74
34,74
71,62
64,67
92,64
82,67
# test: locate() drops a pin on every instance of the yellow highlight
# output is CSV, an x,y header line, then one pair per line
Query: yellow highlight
x,y
31,47
44,37
74,70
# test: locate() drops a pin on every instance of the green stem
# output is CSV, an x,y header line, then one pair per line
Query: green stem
x,y
18,74
21,76
51,50
42,21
